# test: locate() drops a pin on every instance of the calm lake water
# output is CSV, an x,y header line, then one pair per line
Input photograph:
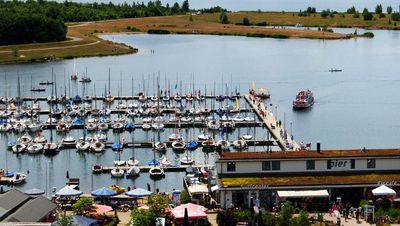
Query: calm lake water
x,y
355,108
273,5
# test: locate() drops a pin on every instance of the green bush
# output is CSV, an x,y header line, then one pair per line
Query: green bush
x,y
242,215
368,35
246,21
185,197
261,24
158,31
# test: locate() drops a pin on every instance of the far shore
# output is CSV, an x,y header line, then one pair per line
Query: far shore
x,y
84,41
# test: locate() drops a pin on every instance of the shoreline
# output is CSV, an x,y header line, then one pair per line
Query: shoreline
x,y
85,41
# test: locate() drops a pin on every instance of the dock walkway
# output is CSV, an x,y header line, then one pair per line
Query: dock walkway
x,y
271,122
145,169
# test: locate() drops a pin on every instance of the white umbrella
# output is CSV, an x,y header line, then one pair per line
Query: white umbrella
x,y
68,191
383,190
138,192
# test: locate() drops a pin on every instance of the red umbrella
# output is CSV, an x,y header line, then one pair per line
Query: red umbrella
x,y
101,209
194,211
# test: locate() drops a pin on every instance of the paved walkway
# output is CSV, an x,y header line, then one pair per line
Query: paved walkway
x,y
276,129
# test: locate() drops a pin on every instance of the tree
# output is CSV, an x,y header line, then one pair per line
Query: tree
x,y
223,18
269,219
185,197
185,6
389,10
65,220
84,206
286,214
246,21
325,13
351,10
142,217
378,9
157,203
395,16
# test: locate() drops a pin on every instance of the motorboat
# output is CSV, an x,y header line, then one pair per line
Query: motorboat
x,y
118,127
97,146
304,99
228,126
203,137
213,124
6,127
264,94
100,137
50,148
247,137
161,146
165,162
83,145
173,137
34,127
208,145
223,145
117,172
91,126
62,127
133,171
146,126
240,144
25,139
103,126
119,163
19,148
34,148
19,127
51,121
156,172
68,141
158,126
97,168
109,99
17,178
133,162
178,145
40,139
186,160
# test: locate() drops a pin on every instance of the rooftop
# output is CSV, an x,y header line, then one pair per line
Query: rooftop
x,y
310,154
288,180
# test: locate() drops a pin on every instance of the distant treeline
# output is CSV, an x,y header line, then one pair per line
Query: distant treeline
x,y
18,28
43,21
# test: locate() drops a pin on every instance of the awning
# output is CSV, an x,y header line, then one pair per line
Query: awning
x,y
303,194
214,188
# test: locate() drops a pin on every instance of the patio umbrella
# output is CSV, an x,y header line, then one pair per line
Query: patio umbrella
x,y
104,192
101,209
138,192
83,221
383,190
34,192
68,191
186,218
194,211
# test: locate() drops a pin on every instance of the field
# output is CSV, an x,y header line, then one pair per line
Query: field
x,y
83,39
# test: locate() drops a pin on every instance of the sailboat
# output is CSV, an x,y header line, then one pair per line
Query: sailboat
x,y
156,171
51,148
186,160
109,99
117,172
133,161
85,79
74,75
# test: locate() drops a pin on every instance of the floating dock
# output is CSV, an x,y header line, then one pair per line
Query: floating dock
x,y
145,169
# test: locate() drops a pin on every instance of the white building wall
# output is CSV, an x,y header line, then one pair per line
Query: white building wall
x,y
287,166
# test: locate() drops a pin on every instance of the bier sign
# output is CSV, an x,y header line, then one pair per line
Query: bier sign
x,y
340,164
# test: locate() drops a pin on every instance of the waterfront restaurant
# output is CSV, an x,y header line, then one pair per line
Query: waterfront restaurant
x,y
310,179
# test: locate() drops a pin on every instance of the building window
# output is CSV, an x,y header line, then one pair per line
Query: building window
x,y
266,165
276,165
353,164
231,166
370,163
310,164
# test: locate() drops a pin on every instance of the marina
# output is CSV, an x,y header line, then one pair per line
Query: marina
x,y
283,83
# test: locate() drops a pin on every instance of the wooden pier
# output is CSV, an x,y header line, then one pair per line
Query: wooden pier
x,y
271,123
